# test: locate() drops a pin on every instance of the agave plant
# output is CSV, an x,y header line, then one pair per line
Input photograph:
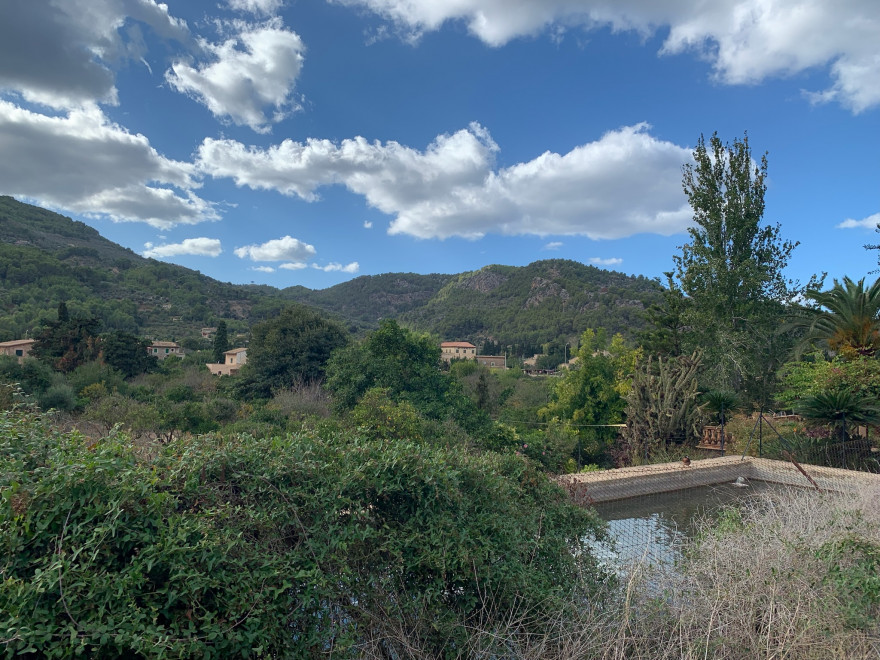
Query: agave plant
x,y
839,408
846,318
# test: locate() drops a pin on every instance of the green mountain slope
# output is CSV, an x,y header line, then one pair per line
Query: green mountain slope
x,y
365,300
46,258
546,301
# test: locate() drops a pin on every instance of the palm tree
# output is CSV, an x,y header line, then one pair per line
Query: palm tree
x,y
846,318
839,407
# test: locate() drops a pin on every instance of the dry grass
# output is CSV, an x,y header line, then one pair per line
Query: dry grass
x,y
302,400
771,580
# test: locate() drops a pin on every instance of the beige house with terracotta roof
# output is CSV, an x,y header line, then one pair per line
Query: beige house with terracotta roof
x,y
233,361
19,348
163,349
457,350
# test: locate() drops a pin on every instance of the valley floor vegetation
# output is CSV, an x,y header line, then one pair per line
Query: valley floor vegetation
x,y
324,544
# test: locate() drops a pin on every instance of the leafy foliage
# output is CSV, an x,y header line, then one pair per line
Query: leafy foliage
x,y
814,373
592,395
723,403
221,342
270,547
68,342
127,353
404,363
666,319
840,407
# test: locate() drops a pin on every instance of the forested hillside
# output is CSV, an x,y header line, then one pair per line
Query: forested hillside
x,y
528,307
46,258
365,300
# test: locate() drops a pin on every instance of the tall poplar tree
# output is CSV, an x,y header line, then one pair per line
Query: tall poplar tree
x,y
732,268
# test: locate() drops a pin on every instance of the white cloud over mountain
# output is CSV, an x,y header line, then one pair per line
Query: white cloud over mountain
x,y
285,248
253,70
334,267
82,162
609,261
626,182
203,247
745,40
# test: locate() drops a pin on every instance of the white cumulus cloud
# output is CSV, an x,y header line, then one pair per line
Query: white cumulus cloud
x,y
263,269
81,162
294,265
610,261
265,7
871,222
745,40
285,248
249,73
65,54
625,183
334,267
553,245
203,247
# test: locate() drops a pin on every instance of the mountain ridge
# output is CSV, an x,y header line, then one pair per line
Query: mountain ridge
x,y
46,257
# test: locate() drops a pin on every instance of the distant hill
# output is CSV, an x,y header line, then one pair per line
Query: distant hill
x,y
46,258
529,306
365,300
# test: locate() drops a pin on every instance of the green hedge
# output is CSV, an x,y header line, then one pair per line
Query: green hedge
x,y
290,546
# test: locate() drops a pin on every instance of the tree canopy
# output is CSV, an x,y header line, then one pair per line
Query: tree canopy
x,y
406,366
732,267
291,348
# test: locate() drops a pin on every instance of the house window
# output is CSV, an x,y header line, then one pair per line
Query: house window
x,y
166,351
19,352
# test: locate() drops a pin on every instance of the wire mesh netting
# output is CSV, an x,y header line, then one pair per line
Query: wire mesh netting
x,y
652,510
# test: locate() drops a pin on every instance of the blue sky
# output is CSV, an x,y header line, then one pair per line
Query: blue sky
x,y
308,141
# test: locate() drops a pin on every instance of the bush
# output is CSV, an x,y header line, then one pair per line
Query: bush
x,y
275,547
59,397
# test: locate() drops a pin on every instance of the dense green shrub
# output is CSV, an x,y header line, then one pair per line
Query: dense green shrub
x,y
275,547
